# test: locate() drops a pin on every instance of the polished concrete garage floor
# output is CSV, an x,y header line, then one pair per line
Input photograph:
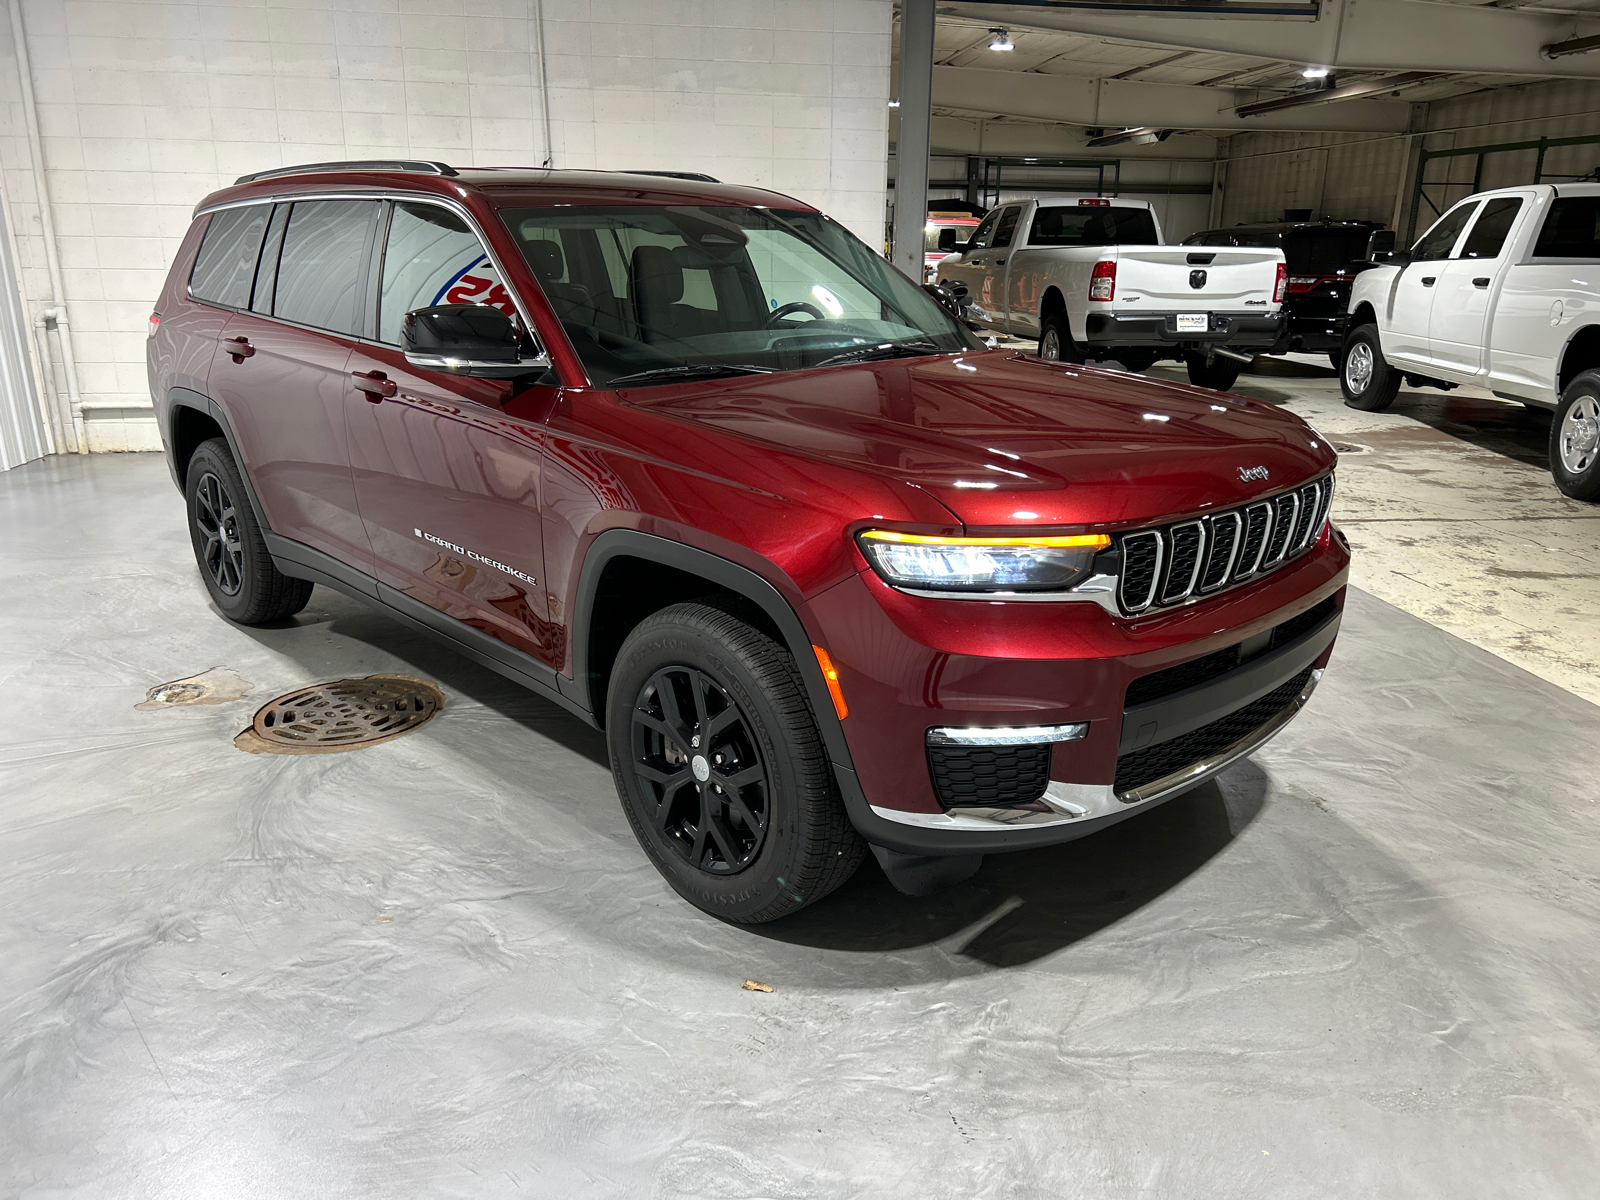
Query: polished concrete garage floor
x,y
1363,964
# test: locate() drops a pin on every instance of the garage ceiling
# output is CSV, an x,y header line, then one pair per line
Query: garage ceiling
x,y
1080,62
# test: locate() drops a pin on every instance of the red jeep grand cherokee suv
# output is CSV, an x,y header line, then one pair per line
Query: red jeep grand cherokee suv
x,y
694,463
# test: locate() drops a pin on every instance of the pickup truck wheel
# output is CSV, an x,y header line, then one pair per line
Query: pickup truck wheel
x,y
721,769
228,547
1055,340
1221,373
1575,439
1367,381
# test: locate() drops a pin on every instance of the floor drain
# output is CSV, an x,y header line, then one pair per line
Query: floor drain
x,y
343,715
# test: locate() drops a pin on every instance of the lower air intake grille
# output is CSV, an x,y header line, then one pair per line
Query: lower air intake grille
x,y
989,775
1166,566
1139,767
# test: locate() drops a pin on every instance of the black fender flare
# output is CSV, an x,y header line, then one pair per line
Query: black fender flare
x,y
186,398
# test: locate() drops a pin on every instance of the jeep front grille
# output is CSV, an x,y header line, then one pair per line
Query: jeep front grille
x,y
1167,566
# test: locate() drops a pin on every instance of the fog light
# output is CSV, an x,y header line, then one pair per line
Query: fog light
x,y
1006,735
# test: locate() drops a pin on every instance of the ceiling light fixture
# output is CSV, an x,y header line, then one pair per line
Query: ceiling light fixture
x,y
1002,40
894,104
1315,73
1349,91
1142,135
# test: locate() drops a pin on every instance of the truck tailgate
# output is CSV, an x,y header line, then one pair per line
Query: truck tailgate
x,y
1179,278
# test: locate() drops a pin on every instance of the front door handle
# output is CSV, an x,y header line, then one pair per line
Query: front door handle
x,y
1482,281
375,384
999,262
1429,280
239,348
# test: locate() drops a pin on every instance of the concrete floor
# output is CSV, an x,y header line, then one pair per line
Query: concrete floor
x,y
1362,964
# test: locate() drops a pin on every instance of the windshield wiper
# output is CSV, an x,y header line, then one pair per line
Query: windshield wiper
x,y
688,371
914,349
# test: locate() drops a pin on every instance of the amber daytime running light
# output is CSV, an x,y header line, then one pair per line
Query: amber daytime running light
x,y
1036,563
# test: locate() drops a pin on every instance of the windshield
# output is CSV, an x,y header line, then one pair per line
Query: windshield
x,y
654,295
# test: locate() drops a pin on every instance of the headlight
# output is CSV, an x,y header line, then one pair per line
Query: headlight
x,y
981,564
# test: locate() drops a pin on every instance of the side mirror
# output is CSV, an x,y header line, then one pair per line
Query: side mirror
x,y
1380,246
466,339
948,240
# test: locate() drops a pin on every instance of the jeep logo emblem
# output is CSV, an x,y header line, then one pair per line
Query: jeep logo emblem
x,y
1197,279
1251,474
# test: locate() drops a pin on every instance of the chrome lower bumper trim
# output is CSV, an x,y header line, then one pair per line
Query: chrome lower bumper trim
x,y
1069,803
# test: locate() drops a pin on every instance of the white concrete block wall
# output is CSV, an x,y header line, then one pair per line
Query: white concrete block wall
x,y
144,106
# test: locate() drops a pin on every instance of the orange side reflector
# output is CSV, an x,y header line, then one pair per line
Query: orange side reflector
x,y
832,676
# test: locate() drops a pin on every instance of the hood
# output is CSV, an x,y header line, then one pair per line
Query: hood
x,y
1003,439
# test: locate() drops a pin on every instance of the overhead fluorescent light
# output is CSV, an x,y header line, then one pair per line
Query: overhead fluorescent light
x,y
1001,40
1143,135
1572,46
1349,91
1315,73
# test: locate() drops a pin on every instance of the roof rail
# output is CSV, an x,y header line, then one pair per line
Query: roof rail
x,y
373,164
695,176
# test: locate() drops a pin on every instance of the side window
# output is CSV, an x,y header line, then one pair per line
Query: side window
x,y
320,276
1441,239
1571,229
985,232
226,263
432,257
1489,231
1007,227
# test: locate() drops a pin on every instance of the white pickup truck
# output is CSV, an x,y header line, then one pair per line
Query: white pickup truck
x,y
1090,278
1503,292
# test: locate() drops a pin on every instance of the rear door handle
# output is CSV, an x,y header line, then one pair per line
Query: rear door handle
x,y
375,384
1481,281
1429,280
239,348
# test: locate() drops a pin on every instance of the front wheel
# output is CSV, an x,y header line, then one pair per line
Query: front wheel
x,y
232,555
721,768
1218,372
1575,439
1368,382
1055,340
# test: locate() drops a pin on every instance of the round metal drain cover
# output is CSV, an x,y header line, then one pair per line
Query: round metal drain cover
x,y
347,713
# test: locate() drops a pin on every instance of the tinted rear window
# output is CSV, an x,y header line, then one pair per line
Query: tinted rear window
x,y
226,264
320,270
1063,225
1571,229
1324,251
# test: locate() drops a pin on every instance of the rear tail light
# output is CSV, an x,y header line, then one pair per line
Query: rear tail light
x,y
1308,283
1280,285
155,323
1103,281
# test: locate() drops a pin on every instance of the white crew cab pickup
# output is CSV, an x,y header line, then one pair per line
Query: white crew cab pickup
x,y
1090,278
1502,292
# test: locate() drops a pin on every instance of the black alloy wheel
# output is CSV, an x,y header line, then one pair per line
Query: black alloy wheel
x,y
235,564
720,765
222,553
697,760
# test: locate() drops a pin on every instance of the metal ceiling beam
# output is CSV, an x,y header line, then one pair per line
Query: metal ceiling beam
x,y
1126,103
1395,35
1142,67
1334,95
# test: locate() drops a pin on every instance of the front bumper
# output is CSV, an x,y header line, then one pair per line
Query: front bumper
x,y
1015,669
1250,330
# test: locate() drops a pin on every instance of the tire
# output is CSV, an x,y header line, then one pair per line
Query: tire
x,y
1368,382
1220,374
1055,340
786,842
1137,360
232,555
1575,439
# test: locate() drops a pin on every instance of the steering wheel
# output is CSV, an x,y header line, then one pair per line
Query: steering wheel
x,y
798,306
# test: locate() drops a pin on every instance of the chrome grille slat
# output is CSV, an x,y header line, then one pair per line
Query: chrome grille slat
x,y
1226,529
1167,566
1185,546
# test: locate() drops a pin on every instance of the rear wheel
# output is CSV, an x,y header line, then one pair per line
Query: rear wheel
x,y
1218,372
721,768
1055,340
1575,439
228,547
1367,381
